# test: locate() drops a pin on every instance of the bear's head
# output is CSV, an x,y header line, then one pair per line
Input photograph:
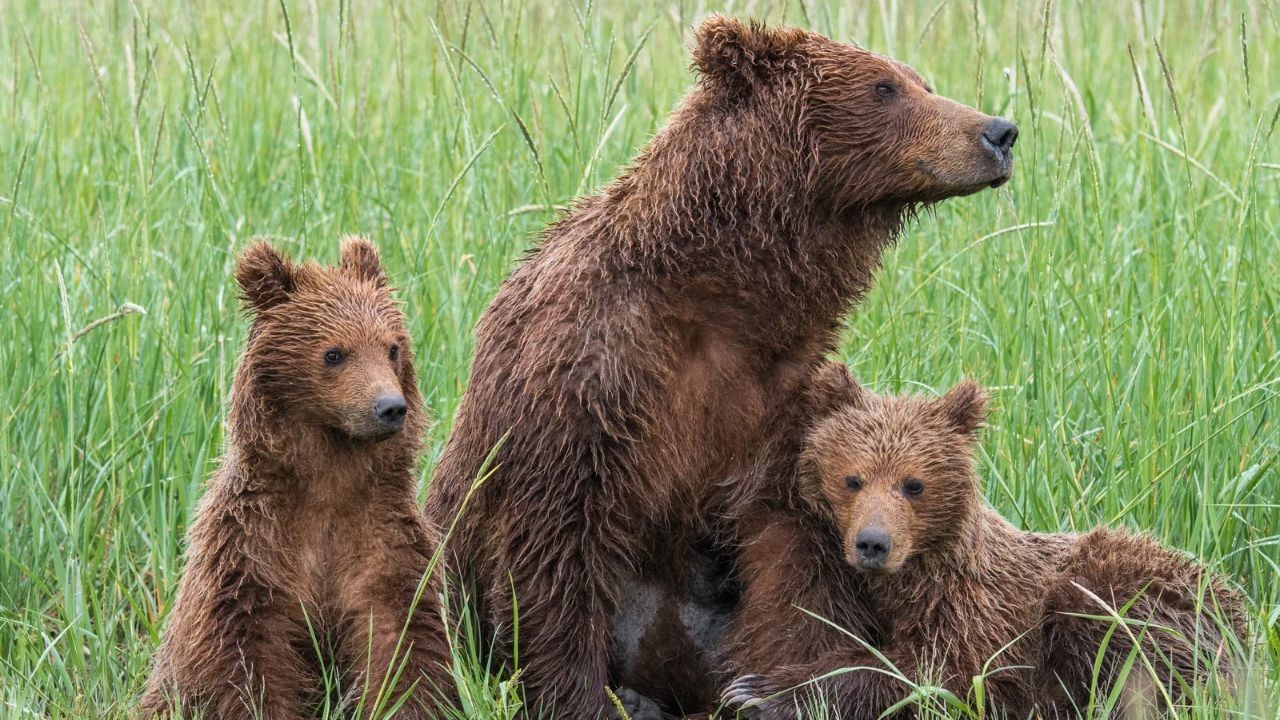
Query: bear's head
x,y
895,473
328,346
874,131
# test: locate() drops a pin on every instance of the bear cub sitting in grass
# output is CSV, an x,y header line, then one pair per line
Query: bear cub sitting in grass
x,y
309,540
955,592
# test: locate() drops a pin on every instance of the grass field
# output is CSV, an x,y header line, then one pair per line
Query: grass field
x,y
1119,296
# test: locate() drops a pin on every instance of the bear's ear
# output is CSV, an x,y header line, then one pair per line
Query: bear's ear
x,y
831,387
266,279
360,258
964,407
741,55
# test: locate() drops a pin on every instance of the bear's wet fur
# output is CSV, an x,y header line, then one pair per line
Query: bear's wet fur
x,y
892,529
311,524
635,363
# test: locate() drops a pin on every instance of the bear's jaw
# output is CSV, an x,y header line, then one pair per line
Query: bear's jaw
x,y
299,453
961,188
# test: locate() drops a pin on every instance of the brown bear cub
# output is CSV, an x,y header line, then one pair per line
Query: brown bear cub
x,y
310,535
952,591
632,368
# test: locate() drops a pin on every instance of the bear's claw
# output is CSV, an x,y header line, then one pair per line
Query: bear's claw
x,y
749,695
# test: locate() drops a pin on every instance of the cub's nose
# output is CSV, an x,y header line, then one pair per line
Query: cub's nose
x,y
999,136
389,411
872,546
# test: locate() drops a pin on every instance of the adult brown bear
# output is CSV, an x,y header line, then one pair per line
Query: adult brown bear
x,y
635,362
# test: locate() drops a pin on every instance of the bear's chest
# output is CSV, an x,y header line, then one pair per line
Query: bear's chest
x,y
330,543
723,400
717,400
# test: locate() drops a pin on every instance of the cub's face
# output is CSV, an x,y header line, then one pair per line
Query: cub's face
x,y
328,345
884,135
895,473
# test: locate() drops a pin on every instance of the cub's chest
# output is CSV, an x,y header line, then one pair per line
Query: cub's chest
x,y
328,545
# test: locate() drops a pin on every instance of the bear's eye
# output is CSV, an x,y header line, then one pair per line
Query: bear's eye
x,y
912,487
334,356
885,89
394,354
853,482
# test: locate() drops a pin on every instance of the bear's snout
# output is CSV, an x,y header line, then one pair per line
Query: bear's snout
x,y
998,137
389,412
872,546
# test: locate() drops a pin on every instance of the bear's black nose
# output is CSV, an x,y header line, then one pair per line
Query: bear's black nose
x,y
999,136
873,547
389,410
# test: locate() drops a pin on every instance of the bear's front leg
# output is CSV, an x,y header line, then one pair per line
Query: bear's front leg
x,y
231,654
796,587
564,613
397,638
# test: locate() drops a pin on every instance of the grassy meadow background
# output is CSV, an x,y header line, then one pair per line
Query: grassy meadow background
x,y
1119,296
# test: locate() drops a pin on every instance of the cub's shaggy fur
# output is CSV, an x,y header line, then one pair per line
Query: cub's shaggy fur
x,y
894,532
311,523
637,360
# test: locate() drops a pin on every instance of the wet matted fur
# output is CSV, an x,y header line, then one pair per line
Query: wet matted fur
x,y
640,355
311,524
892,540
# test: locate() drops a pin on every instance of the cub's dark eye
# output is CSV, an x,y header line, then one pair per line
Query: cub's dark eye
x,y
853,482
912,487
334,357
885,89
394,354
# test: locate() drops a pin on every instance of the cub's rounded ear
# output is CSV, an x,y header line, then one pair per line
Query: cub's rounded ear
x,y
360,258
266,278
964,407
831,387
740,55
819,439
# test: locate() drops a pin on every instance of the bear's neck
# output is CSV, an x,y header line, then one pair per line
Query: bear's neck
x,y
724,210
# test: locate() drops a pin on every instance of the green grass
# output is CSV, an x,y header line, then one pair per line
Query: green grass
x,y
1119,296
